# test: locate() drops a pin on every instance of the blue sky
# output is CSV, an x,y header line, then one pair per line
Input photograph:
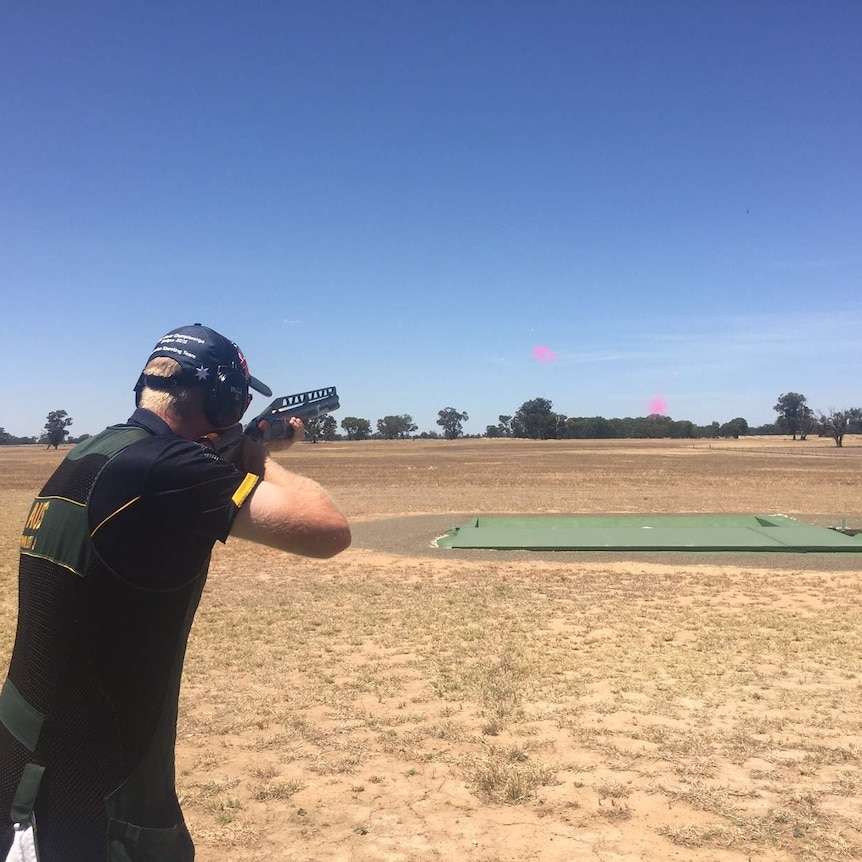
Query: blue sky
x,y
404,199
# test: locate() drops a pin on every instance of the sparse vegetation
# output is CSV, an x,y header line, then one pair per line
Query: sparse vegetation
x,y
402,700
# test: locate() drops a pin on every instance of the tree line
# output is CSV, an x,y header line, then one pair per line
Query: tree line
x,y
537,420
54,432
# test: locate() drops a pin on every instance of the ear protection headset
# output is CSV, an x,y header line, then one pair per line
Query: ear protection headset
x,y
227,398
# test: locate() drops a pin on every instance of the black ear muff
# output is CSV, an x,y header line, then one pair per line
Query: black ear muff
x,y
139,388
227,397
151,381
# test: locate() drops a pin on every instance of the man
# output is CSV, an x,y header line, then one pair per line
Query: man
x,y
114,557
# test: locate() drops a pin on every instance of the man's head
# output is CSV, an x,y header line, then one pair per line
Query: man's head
x,y
194,369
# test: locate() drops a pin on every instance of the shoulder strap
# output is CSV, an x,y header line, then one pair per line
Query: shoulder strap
x,y
25,796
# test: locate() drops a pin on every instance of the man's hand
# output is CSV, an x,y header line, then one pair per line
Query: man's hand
x,y
282,443
250,455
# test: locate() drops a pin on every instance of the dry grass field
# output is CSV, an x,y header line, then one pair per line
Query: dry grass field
x,y
401,702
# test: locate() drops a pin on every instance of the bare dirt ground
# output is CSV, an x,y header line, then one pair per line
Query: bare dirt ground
x,y
402,702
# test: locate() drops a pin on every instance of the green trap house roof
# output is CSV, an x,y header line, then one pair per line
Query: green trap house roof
x,y
650,533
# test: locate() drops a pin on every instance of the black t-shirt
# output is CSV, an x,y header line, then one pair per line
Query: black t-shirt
x,y
160,504
114,556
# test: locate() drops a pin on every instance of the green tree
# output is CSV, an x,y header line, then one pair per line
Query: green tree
x,y
598,428
588,428
55,427
450,421
504,425
682,428
393,427
7,439
734,428
314,428
356,428
656,426
329,428
794,414
535,419
836,423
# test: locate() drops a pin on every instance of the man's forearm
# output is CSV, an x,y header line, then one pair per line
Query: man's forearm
x,y
294,513
290,481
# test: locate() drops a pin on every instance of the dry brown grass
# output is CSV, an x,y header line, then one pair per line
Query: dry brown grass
x,y
403,703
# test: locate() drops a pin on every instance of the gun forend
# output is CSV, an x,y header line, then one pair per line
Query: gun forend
x,y
272,423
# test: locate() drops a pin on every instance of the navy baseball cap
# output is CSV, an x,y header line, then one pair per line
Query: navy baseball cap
x,y
201,351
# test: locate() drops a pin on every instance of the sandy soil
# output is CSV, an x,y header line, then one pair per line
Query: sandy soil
x,y
401,702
